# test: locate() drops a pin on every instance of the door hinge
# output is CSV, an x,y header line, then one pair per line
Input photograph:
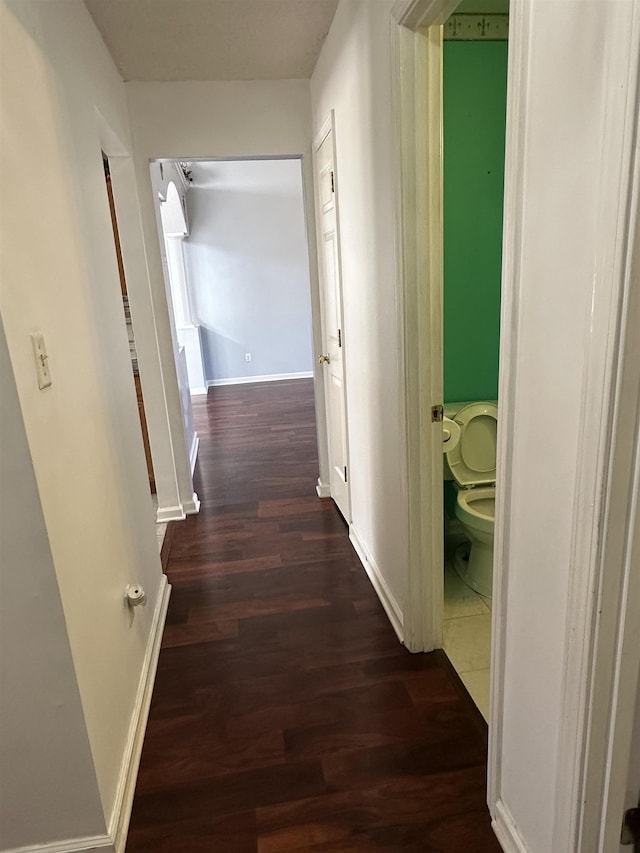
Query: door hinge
x,y
345,473
333,183
339,337
437,414
631,829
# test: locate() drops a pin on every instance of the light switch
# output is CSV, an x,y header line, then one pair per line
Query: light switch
x,y
41,359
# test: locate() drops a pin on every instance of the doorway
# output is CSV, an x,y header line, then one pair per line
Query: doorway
x,y
129,322
236,265
474,99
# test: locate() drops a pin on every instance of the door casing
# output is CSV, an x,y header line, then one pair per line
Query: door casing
x,y
597,640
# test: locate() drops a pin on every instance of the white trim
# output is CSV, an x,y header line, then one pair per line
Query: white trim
x,y
414,14
417,103
323,490
610,677
265,377
170,513
387,599
192,506
119,823
506,830
196,392
193,455
583,693
515,142
73,845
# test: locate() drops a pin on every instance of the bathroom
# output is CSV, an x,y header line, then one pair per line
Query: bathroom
x,y
474,112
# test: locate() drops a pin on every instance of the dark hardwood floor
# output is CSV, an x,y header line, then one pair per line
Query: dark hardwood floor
x,y
286,716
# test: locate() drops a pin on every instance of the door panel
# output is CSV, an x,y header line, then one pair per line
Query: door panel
x,y
332,328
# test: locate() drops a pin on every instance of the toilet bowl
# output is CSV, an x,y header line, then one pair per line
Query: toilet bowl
x,y
471,457
475,509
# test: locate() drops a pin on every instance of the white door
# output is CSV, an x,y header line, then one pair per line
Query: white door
x,y
332,356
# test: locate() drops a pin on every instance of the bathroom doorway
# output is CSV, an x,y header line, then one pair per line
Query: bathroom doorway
x,y
474,93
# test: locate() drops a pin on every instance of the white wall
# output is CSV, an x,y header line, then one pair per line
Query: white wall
x,y
571,69
59,275
183,121
48,786
248,268
353,77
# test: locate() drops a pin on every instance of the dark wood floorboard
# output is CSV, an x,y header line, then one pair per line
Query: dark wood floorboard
x,y
286,717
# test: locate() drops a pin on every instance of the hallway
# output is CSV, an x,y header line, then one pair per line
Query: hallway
x,y
286,716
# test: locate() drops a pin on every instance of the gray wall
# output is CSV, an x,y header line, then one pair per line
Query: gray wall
x,y
48,787
248,268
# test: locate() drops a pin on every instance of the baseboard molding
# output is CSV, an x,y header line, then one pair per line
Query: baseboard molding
x,y
119,823
74,845
387,599
265,377
506,831
323,490
197,392
170,513
193,455
192,506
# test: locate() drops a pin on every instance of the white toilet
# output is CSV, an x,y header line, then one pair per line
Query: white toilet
x,y
469,444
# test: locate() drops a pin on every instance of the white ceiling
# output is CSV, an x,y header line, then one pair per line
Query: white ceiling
x,y
213,39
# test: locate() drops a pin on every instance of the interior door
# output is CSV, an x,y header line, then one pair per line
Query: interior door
x,y
332,357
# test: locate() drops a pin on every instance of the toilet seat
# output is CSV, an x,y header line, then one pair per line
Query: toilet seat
x,y
477,508
473,459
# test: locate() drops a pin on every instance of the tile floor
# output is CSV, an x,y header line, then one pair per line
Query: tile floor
x,y
467,635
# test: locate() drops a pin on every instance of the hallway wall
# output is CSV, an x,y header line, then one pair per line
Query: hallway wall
x,y
253,118
59,276
353,77
42,728
248,268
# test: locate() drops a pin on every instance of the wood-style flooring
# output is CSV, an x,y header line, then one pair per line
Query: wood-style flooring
x,y
286,715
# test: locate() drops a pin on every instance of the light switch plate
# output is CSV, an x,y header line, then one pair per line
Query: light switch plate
x,y
41,359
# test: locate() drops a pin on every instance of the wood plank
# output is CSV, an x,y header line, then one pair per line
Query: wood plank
x,y
286,716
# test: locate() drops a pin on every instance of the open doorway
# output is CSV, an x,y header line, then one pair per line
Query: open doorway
x,y
236,263
161,528
474,97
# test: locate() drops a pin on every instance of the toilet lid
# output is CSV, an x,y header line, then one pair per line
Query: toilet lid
x,y
473,460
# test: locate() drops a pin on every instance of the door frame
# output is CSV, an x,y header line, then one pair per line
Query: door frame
x,y
601,619
614,690
417,64
171,464
327,127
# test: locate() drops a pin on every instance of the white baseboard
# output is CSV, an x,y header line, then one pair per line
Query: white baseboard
x,y
192,506
506,831
170,513
74,845
265,377
197,392
323,490
387,599
193,455
119,823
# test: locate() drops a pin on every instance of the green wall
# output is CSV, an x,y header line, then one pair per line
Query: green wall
x,y
475,86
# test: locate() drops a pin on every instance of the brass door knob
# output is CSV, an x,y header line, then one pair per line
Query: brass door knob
x,y
324,358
